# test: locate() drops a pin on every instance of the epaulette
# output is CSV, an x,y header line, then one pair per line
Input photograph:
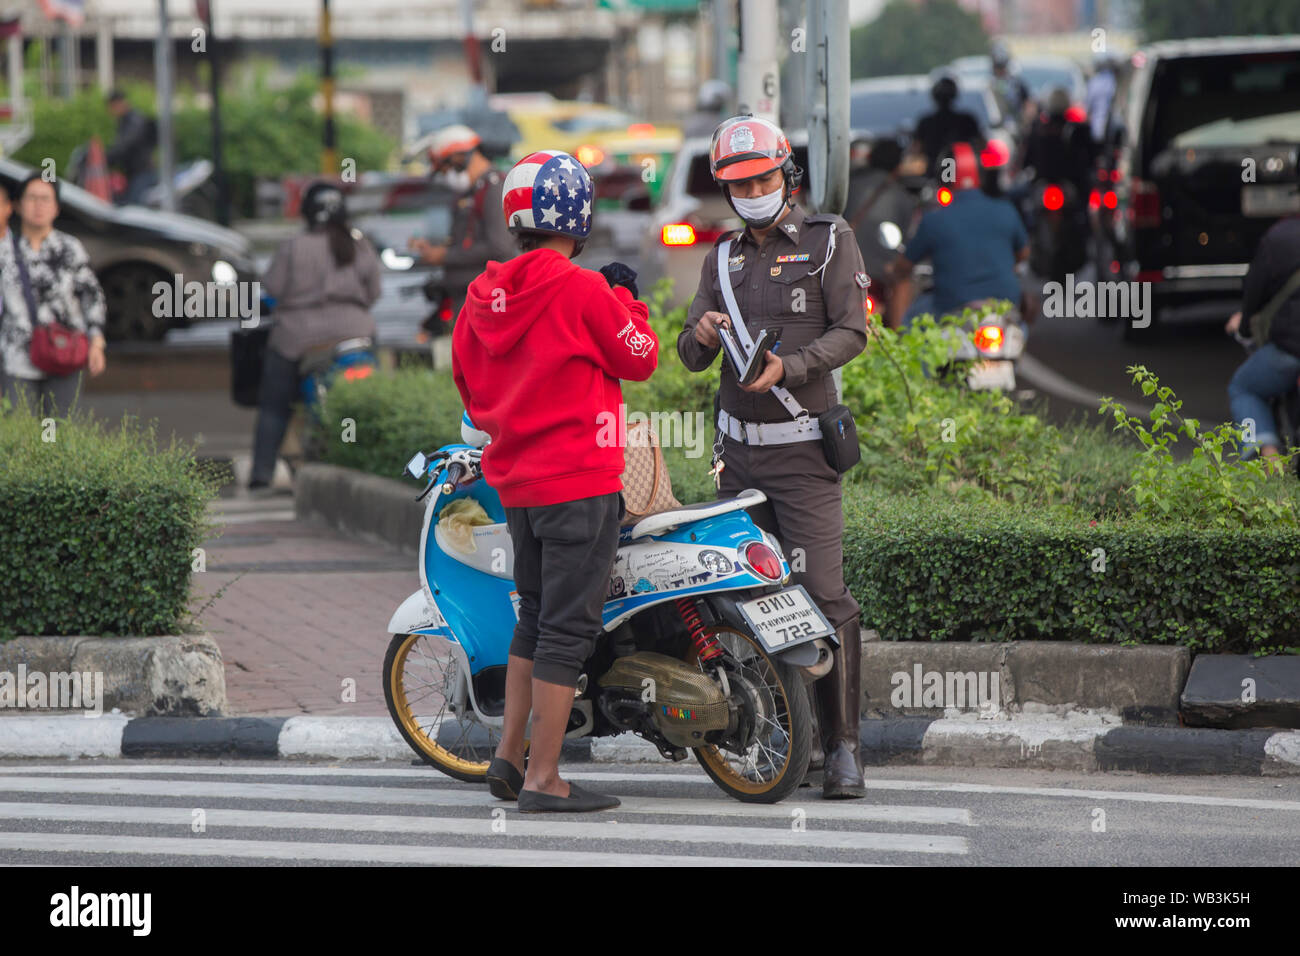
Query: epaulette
x,y
831,218
733,234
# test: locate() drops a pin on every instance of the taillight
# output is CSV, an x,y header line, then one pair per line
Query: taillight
x,y
641,129
944,196
1145,207
1114,175
354,372
988,338
1094,200
1110,200
1053,198
763,560
444,310
590,156
994,154
871,305
677,234
1076,114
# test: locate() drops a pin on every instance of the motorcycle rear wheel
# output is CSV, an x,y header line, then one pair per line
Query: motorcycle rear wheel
x,y
416,689
775,764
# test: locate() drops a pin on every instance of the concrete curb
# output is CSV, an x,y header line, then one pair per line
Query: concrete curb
x,y
1077,743
178,675
372,508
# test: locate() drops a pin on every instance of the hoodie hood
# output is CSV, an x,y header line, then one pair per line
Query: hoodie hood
x,y
509,297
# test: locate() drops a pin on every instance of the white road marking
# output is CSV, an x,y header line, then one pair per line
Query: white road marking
x,y
602,826
935,787
357,852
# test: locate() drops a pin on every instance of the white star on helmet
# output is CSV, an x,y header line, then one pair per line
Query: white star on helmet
x,y
549,216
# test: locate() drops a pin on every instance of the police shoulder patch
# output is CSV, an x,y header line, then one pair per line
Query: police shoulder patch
x,y
862,279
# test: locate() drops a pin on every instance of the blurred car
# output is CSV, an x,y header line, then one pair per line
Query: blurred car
x,y
1193,117
892,106
132,247
615,146
1041,73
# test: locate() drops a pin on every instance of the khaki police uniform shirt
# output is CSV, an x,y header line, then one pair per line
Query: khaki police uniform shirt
x,y
822,317
478,227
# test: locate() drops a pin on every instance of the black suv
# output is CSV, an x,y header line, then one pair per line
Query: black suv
x,y
1208,137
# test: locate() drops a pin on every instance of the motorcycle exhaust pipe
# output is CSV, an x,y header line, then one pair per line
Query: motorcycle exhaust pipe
x,y
825,659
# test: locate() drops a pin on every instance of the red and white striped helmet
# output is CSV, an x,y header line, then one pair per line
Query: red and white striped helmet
x,y
548,191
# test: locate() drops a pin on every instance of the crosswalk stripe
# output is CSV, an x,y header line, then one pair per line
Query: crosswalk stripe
x,y
358,852
599,827
436,796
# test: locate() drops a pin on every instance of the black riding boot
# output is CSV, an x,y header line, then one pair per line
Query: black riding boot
x,y
839,700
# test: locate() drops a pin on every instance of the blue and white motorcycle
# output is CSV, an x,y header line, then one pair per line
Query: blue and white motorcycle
x,y
705,645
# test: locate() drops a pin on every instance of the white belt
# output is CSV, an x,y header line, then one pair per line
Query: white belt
x,y
769,433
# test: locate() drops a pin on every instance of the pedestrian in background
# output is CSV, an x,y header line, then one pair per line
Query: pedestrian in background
x,y
54,311
324,282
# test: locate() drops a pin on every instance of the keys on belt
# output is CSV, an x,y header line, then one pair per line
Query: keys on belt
x,y
769,433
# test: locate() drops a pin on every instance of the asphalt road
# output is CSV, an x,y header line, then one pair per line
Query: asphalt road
x,y
277,813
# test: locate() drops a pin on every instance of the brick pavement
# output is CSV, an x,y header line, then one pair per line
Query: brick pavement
x,y
303,608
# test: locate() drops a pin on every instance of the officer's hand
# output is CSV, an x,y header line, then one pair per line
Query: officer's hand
x,y
428,252
772,375
1234,323
706,330
618,273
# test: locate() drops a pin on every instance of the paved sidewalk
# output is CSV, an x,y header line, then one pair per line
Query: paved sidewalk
x,y
301,609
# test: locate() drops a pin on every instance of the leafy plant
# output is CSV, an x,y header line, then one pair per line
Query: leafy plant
x,y
1215,488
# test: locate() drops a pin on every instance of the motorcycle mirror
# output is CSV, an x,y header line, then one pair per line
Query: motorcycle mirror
x,y
418,465
891,237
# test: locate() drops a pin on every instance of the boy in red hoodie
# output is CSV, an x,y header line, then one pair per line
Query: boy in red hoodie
x,y
537,354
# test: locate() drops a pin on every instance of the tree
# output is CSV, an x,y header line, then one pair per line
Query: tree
x,y
1174,19
915,37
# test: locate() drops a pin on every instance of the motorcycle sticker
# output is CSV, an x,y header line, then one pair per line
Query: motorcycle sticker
x,y
642,586
617,588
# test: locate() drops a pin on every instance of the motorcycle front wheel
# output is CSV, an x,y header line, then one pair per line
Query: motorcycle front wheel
x,y
420,677
770,763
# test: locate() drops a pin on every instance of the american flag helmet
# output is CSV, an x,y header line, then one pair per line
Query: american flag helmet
x,y
548,191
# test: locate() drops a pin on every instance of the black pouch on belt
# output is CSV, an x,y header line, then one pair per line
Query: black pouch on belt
x,y
839,438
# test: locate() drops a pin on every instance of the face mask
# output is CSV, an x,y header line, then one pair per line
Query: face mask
x,y
456,180
761,209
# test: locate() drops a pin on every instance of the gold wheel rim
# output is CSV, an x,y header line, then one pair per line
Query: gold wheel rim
x,y
714,758
406,717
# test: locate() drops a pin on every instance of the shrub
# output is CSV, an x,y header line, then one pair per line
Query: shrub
x,y
97,528
928,567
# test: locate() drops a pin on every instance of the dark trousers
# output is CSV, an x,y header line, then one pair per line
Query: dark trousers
x,y
53,395
564,555
804,510
275,406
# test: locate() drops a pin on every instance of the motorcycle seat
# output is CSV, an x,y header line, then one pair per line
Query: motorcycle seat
x,y
667,520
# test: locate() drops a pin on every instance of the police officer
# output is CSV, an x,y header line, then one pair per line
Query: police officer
x,y
478,233
803,274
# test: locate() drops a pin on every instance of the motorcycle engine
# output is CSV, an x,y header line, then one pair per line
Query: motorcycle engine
x,y
684,703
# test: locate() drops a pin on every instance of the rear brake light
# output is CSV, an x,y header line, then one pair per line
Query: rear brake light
x,y
988,338
763,560
1076,114
590,156
641,129
1145,207
994,154
1110,200
1114,175
1094,200
677,234
354,372
1053,198
944,196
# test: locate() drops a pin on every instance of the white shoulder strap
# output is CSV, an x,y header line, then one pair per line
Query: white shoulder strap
x,y
742,333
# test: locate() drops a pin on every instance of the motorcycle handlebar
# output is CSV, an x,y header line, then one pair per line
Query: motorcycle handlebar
x,y
455,473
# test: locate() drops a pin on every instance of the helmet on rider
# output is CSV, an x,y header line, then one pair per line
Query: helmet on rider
x,y
1000,55
944,91
959,167
747,147
1058,101
548,193
323,203
451,146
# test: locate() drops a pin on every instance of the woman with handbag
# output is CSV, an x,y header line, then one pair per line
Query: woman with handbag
x,y
324,282
53,322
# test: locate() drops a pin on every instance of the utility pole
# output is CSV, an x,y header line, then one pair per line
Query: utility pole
x,y
163,72
218,143
827,87
758,77
329,164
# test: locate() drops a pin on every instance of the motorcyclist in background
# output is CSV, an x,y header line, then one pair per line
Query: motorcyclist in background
x,y
937,131
1010,91
1058,149
880,212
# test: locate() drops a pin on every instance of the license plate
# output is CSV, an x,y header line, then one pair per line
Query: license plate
x,y
1271,200
992,376
785,618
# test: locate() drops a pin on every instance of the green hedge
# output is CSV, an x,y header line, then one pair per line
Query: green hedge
x,y
97,528
932,567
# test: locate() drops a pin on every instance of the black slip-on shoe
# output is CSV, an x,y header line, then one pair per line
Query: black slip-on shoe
x,y
578,801
503,780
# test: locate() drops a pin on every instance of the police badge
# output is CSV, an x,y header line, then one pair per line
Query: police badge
x,y
742,140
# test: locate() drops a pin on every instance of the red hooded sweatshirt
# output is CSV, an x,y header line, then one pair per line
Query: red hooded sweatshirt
x,y
537,354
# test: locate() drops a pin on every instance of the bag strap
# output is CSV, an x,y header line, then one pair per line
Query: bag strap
x,y
28,296
1261,321
783,395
